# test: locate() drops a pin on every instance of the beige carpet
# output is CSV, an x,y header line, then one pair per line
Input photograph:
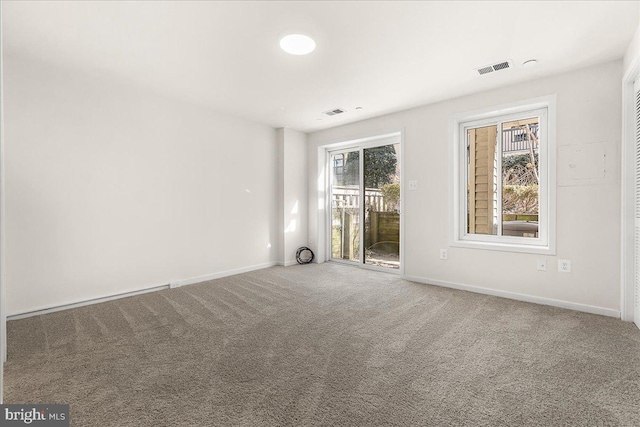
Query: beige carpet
x,y
326,345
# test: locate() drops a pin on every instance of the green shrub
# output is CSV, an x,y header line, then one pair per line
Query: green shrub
x,y
391,194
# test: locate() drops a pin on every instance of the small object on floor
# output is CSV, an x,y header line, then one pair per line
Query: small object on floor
x,y
304,258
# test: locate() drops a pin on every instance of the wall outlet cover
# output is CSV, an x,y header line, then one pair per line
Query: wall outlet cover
x,y
564,266
542,265
444,254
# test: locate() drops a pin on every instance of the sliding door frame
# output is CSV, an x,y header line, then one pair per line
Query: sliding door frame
x,y
360,145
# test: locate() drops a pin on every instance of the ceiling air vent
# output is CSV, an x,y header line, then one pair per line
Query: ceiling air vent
x,y
334,112
495,67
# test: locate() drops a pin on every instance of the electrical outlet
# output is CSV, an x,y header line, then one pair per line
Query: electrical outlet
x,y
564,266
413,185
542,265
444,254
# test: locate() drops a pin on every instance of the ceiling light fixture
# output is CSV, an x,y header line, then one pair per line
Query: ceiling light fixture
x,y
529,63
297,44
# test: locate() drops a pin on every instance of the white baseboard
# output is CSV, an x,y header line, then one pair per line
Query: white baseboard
x,y
477,289
221,274
171,285
288,263
85,302
519,297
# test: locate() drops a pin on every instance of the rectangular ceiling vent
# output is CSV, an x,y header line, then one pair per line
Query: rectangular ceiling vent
x,y
495,67
334,112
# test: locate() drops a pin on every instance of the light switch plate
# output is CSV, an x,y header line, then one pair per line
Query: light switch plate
x,y
542,265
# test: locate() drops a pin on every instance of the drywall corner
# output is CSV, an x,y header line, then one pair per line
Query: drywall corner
x,y
292,173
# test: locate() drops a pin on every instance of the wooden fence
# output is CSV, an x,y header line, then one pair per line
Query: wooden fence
x,y
349,197
382,224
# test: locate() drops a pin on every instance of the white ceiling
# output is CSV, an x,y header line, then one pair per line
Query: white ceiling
x,y
382,56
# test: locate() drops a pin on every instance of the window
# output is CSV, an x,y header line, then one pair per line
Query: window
x,y
504,169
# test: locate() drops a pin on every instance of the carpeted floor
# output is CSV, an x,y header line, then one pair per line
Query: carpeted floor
x,y
326,345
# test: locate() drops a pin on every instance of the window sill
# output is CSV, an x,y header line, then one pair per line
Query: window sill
x,y
505,247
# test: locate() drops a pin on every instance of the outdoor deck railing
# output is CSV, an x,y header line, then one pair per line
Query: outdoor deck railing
x,y
516,139
349,197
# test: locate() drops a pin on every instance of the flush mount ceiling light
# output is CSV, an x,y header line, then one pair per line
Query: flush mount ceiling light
x,y
297,44
529,63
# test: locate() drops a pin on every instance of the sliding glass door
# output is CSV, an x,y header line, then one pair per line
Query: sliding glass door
x,y
365,204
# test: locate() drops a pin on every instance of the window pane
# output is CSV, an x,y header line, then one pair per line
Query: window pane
x,y
345,207
520,177
382,206
338,162
482,181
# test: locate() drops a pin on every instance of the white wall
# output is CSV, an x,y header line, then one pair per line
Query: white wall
x,y
588,214
3,316
111,189
292,153
633,50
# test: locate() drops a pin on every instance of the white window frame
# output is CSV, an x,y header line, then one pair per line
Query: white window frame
x,y
545,243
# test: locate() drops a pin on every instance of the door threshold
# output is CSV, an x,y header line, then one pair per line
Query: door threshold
x,y
395,271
